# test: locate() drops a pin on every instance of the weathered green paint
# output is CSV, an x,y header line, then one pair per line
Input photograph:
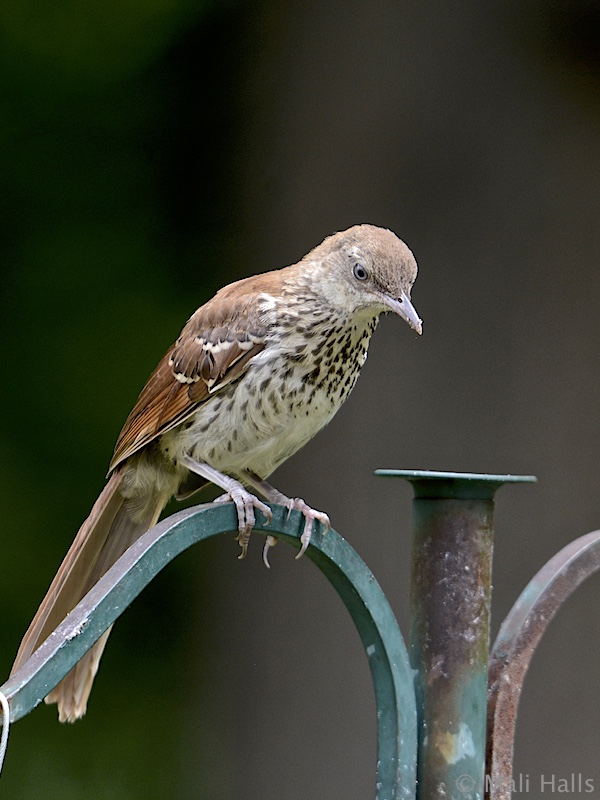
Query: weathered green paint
x,y
356,585
446,485
450,625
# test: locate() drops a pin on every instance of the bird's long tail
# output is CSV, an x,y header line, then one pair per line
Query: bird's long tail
x,y
112,526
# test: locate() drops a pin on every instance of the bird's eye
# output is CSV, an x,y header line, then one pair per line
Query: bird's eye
x,y
360,273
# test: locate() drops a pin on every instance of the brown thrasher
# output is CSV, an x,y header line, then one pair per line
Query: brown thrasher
x,y
256,372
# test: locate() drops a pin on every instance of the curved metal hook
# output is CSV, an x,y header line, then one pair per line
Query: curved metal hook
x,y
516,643
372,615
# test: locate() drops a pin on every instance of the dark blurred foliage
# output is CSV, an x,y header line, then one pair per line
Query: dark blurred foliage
x,y
153,151
115,224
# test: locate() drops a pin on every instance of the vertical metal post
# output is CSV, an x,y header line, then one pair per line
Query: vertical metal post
x,y
450,626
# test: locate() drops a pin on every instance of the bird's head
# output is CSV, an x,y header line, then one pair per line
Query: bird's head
x,y
368,268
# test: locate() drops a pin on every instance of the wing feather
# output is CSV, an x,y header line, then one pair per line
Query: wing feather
x,y
215,348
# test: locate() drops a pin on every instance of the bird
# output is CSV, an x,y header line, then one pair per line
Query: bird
x,y
256,372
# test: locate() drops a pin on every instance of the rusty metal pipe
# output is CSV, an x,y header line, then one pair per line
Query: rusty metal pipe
x,y
450,631
515,645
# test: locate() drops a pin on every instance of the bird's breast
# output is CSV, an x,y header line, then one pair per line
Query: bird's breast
x,y
288,393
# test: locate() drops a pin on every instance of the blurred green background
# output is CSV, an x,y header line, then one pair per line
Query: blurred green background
x,y
154,151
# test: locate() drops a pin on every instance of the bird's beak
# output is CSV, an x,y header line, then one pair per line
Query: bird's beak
x,y
405,309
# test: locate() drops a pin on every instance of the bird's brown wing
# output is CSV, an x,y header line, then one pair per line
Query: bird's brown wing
x,y
214,348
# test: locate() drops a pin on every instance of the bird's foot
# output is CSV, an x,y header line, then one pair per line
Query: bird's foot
x,y
275,496
309,514
245,504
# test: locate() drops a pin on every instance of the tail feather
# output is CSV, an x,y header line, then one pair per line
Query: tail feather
x,y
72,693
112,526
66,589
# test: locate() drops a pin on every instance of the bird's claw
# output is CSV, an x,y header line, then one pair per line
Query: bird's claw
x,y
271,541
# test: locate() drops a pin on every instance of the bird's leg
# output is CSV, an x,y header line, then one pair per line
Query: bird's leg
x,y
245,502
222,498
275,496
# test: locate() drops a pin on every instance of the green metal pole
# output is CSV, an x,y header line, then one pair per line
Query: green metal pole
x,y
451,587
349,575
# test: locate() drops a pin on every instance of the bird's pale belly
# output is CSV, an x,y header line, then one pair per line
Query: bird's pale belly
x,y
258,423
